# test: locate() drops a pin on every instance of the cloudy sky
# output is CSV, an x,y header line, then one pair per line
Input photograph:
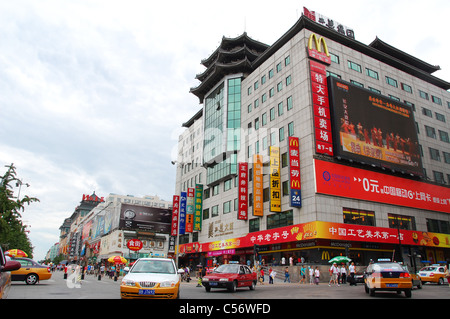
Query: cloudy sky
x,y
93,93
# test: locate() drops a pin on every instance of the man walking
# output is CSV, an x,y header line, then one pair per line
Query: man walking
x,y
334,272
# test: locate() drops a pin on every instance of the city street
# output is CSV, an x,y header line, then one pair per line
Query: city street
x,y
92,288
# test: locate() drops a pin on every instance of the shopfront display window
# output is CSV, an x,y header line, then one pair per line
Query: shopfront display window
x,y
358,217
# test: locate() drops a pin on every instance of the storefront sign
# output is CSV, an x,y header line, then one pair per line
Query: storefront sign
x,y
221,252
321,106
275,182
294,172
190,210
134,244
346,181
329,23
325,230
182,218
198,207
175,215
243,191
258,186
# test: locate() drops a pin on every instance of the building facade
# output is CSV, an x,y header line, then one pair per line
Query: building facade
x,y
317,146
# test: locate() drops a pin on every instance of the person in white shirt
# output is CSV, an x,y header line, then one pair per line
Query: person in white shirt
x,y
334,271
351,270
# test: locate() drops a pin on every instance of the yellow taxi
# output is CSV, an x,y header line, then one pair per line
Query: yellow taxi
x,y
151,278
434,273
30,271
385,275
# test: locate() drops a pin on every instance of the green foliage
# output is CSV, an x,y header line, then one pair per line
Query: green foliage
x,y
12,232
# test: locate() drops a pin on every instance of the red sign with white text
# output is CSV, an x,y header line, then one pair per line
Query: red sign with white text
x,y
243,191
175,212
134,244
346,181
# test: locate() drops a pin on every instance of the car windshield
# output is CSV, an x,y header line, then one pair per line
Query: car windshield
x,y
387,267
227,269
153,266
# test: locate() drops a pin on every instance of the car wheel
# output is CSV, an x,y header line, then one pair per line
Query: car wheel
x,y
253,285
408,293
366,288
441,281
31,279
207,288
419,286
233,286
372,292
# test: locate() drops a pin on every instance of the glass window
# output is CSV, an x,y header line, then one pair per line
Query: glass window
x,y
406,88
391,81
287,60
280,220
358,217
288,80
434,154
334,58
271,73
215,211
291,129
423,95
278,67
354,66
289,103
280,108
372,73
401,222
436,100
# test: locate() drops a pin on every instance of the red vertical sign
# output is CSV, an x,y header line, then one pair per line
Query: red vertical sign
x,y
322,124
175,212
243,191
294,172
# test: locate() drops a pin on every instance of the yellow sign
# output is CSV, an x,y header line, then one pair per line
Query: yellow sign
x,y
319,43
257,186
275,180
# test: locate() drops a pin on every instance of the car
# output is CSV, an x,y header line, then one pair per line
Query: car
x,y
6,266
230,276
30,271
151,278
387,276
359,276
433,273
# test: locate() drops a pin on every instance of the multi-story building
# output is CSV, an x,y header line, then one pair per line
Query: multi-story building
x,y
104,230
349,187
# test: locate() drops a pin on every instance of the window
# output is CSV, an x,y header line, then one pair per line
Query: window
x,y
436,100
271,92
372,73
279,67
279,86
215,211
288,80
401,222
374,90
434,154
281,134
264,98
357,83
440,117
358,217
423,95
427,112
227,207
280,220
272,114
438,226
406,88
391,81
264,119
253,225
256,85
354,66
291,129
289,103
263,79
430,131
287,60
334,58
271,73
444,136
280,108
446,158
227,185
438,177
256,103
257,124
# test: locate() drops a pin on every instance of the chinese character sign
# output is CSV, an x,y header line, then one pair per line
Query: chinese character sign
x,y
275,180
243,191
175,215
294,172
190,210
322,123
182,219
257,185
198,207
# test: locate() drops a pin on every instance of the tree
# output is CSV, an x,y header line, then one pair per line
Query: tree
x,y
12,231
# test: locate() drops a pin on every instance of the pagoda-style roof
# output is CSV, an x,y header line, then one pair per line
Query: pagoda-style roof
x,y
234,55
403,56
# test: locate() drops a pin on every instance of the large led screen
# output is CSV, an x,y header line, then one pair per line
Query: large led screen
x,y
373,129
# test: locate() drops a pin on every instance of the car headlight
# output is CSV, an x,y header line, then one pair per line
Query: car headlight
x,y
205,279
223,279
127,282
165,284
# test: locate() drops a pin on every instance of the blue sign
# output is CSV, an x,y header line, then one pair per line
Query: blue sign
x,y
182,221
296,198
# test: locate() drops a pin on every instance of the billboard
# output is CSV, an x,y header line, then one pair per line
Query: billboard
x,y
373,129
152,219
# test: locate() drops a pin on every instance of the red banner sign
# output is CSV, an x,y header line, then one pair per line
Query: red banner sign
x,y
243,191
294,172
322,124
346,181
175,212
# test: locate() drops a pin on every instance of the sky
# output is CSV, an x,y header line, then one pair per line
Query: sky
x,y
93,93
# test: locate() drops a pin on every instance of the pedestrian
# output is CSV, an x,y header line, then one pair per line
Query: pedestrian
x,y
311,275
351,270
317,275
286,275
334,271
261,276
303,274
343,275
271,275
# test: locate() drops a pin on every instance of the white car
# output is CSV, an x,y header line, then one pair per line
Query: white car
x,y
433,273
155,278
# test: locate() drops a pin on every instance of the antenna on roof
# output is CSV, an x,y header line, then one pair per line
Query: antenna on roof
x,y
245,24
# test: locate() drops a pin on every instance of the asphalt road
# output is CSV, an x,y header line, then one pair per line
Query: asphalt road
x,y
92,288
